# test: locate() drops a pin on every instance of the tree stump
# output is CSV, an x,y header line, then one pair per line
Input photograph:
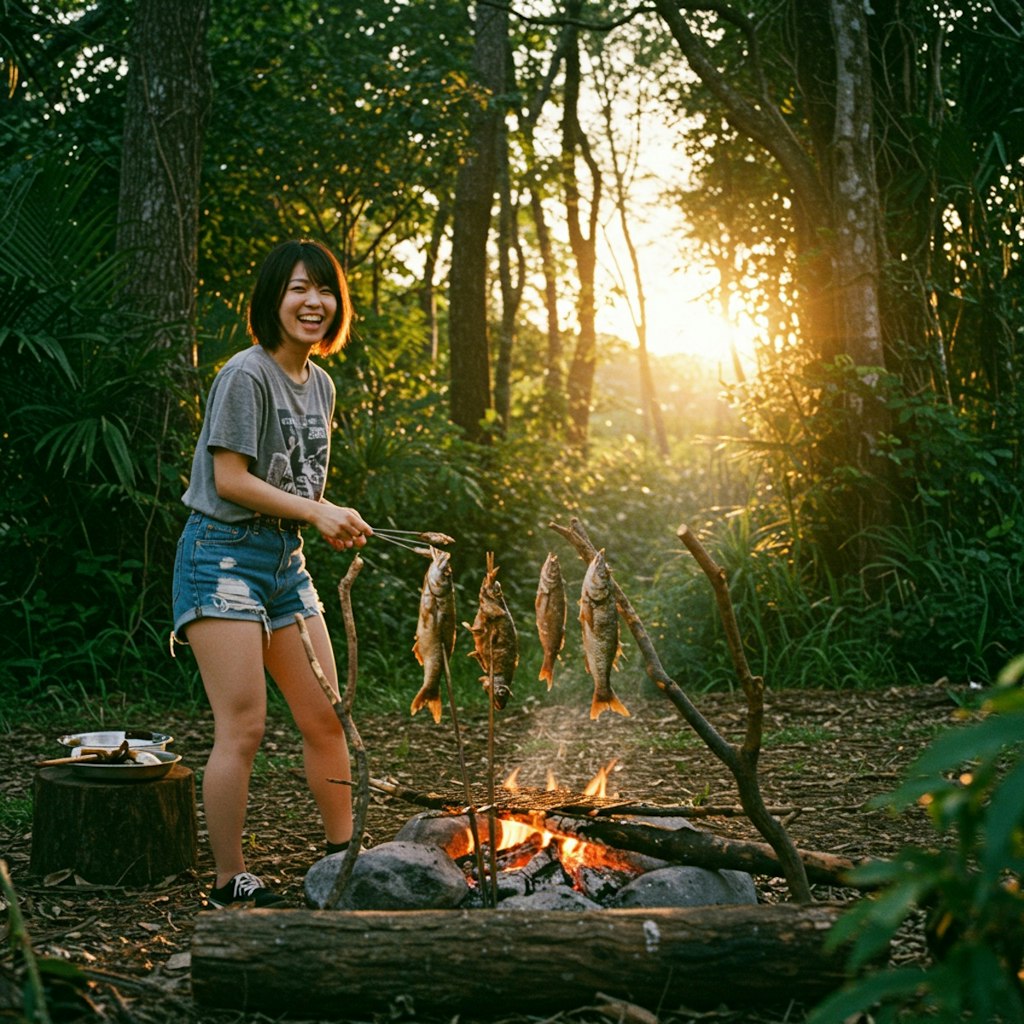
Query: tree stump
x,y
120,833
326,964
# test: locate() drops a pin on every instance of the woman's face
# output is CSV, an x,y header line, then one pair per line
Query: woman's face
x,y
306,310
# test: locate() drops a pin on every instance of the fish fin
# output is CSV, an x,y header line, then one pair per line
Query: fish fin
x,y
612,704
425,699
547,671
416,651
615,660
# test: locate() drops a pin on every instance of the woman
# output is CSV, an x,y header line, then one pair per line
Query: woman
x,y
257,480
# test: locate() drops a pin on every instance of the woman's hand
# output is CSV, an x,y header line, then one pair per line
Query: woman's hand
x,y
341,527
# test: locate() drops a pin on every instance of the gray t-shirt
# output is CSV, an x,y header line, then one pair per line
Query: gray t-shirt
x,y
256,409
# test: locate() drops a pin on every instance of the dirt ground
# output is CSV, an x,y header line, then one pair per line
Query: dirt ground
x,y
825,755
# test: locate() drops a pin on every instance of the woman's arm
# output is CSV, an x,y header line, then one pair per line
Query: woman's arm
x,y
340,527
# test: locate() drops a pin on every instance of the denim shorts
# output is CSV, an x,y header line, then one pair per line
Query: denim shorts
x,y
250,571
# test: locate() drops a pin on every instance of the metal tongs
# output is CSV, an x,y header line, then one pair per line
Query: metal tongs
x,y
406,539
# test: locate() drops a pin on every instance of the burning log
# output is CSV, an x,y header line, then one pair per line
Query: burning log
x,y
452,961
688,846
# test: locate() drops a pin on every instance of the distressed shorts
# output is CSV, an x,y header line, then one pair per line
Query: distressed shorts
x,y
250,571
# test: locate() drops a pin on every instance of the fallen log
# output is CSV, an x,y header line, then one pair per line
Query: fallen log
x,y
322,964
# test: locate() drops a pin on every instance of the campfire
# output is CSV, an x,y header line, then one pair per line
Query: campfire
x,y
542,856
676,931
529,856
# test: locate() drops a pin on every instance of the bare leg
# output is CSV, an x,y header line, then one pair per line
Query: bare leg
x,y
324,750
230,657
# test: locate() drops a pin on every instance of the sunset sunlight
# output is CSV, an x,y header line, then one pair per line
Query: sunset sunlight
x,y
682,325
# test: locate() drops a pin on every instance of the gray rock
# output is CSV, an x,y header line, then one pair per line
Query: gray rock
x,y
392,876
682,886
559,897
450,832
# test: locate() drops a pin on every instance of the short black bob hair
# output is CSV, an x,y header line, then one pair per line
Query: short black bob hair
x,y
272,281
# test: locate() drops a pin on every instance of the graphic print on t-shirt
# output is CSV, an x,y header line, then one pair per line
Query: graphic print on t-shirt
x,y
302,469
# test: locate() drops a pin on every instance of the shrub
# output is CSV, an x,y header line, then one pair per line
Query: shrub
x,y
972,781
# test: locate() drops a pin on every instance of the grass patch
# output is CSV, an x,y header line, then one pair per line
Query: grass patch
x,y
15,813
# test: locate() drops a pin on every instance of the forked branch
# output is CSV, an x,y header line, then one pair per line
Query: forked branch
x,y
741,761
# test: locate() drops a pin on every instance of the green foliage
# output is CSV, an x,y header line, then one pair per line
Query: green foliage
x,y
950,602
349,136
971,779
85,398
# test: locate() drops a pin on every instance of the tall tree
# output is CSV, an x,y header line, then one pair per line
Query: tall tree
x,y
582,220
555,406
468,334
158,209
835,201
623,166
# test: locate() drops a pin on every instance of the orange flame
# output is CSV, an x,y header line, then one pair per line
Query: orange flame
x,y
598,785
511,783
552,781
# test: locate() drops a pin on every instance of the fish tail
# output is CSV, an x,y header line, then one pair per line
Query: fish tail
x,y
611,703
427,698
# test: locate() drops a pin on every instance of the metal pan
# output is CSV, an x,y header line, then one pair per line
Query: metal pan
x,y
100,771
112,739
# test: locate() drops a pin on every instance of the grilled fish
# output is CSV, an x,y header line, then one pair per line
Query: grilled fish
x,y
495,641
600,622
435,631
551,612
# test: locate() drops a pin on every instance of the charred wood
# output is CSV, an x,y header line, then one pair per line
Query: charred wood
x,y
691,846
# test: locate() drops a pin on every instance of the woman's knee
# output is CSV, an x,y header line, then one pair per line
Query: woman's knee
x,y
321,730
241,736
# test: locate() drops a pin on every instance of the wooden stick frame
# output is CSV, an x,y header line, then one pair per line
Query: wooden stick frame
x,y
741,761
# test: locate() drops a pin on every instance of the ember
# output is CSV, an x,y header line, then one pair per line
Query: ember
x,y
589,868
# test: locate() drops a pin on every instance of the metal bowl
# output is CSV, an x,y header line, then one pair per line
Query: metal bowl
x,y
138,739
129,771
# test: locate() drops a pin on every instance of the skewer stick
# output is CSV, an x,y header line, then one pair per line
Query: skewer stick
x,y
431,536
342,705
478,852
492,821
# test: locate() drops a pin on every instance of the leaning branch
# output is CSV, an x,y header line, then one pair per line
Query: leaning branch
x,y
741,762
342,705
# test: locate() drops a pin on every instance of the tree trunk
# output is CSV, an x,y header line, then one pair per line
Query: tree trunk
x,y
856,208
553,417
428,296
168,95
511,276
470,396
583,241
316,964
